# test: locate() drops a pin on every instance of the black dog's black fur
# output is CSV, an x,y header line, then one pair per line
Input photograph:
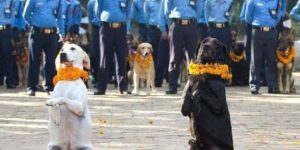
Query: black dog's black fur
x,y
204,101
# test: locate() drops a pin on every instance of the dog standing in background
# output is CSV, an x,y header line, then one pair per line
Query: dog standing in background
x,y
20,46
285,61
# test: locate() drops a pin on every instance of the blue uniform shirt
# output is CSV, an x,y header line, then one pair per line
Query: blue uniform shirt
x,y
295,12
18,19
138,14
182,9
163,19
201,16
93,16
6,12
218,11
40,13
114,10
261,13
72,14
151,11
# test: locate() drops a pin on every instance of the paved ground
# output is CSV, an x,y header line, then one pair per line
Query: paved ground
x,y
263,122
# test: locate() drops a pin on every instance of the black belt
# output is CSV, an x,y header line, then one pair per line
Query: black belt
x,y
4,27
114,25
45,30
184,21
142,25
264,29
218,25
154,26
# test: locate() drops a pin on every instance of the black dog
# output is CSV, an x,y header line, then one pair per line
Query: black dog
x,y
204,101
238,64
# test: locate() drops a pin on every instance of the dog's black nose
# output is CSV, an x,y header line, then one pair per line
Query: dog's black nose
x,y
63,57
146,54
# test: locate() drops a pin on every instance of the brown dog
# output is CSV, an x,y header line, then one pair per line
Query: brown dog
x,y
285,61
143,68
20,46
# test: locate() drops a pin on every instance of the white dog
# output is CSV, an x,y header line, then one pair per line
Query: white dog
x,y
143,68
69,118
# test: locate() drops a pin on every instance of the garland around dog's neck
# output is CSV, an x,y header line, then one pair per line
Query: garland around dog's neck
x,y
69,74
237,58
221,70
286,57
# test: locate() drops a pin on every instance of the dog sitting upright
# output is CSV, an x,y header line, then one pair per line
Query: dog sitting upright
x,y
204,98
285,61
69,117
143,68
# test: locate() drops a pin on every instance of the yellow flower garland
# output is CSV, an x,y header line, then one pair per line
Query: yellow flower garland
x,y
213,69
237,58
289,57
143,62
70,73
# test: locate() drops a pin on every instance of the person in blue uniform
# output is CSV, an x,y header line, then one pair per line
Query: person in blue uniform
x,y
7,58
218,16
163,49
202,26
113,44
94,20
152,18
248,27
138,16
72,19
182,33
264,16
43,17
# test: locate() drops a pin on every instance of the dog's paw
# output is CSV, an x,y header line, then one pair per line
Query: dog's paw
x,y
54,102
135,92
55,115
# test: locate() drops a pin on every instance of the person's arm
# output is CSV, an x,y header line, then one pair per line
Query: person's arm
x,y
29,6
90,10
78,14
207,10
168,5
249,11
162,18
242,15
61,18
295,12
283,8
128,16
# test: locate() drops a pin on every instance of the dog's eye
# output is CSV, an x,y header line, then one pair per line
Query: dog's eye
x,y
72,48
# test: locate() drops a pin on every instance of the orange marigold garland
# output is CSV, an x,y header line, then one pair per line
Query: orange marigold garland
x,y
70,73
237,58
143,62
213,69
287,56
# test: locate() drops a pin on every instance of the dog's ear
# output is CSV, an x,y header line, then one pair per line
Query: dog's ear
x,y
58,65
86,61
151,49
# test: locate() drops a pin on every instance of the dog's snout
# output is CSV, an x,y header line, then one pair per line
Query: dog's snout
x,y
146,54
63,57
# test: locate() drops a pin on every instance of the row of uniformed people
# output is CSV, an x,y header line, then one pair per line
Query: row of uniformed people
x,y
158,21
261,18
48,22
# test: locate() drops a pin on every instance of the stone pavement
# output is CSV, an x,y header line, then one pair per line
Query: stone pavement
x,y
262,122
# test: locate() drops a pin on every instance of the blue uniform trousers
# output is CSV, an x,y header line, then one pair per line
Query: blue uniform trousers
x,y
95,53
48,43
263,51
182,36
7,58
113,45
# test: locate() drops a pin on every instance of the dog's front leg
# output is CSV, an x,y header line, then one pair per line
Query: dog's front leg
x,y
136,84
279,76
148,85
75,106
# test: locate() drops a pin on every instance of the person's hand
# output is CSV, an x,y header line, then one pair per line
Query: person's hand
x,y
164,35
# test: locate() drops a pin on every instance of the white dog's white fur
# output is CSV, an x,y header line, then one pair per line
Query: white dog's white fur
x,y
70,122
140,73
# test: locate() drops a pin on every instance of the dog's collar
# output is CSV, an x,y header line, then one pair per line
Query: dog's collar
x,y
237,58
221,70
286,60
69,74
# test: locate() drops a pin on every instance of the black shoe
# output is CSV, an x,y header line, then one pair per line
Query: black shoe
x,y
274,91
254,92
99,92
11,86
125,92
171,92
31,93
